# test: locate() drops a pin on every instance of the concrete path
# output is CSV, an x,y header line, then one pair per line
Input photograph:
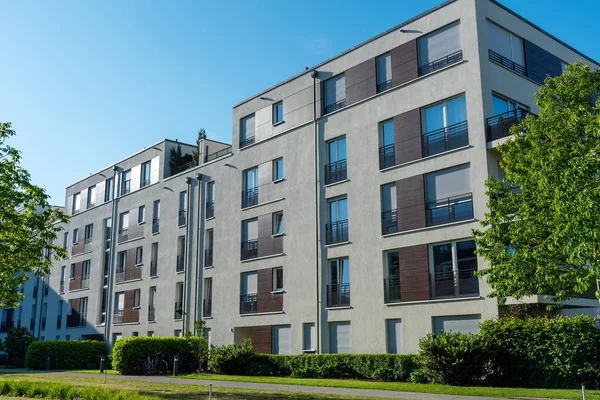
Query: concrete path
x,y
387,394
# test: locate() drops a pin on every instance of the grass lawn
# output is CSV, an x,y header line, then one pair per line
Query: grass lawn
x,y
170,391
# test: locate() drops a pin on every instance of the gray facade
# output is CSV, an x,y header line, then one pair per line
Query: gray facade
x,y
357,241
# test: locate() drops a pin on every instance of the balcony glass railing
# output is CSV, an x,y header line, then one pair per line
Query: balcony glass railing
x,y
387,156
247,141
249,249
498,126
450,283
391,288
248,303
338,295
452,209
329,108
389,222
250,197
383,86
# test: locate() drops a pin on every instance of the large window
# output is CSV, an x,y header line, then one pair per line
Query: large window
x,y
210,199
278,170
334,93
182,216
89,233
76,203
387,157
392,276
249,293
125,182
91,197
145,181
505,48
247,130
249,239
336,169
156,216
277,113
448,195
338,290
384,72
250,193
337,226
339,337
453,266
389,217
504,105
445,126
108,189
439,49
278,223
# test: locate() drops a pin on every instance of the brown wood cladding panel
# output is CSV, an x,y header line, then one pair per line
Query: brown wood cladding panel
x,y
360,82
78,248
414,273
405,64
407,136
267,301
129,313
75,284
131,271
73,319
262,339
410,197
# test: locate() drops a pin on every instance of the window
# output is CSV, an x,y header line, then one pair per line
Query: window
x,y
63,278
389,216
66,240
136,298
394,336
178,300
448,195
76,202
182,208
503,105
339,337
117,336
282,339
308,336
335,170
121,261
139,255
210,199
207,298
391,282
85,269
141,214
145,174
44,314
75,236
278,279
249,293
208,246
247,130
88,233
445,126
150,334
107,233
277,113
154,260
334,93
505,48
384,72
72,272
278,223
453,266
277,170
59,315
180,254
337,226
134,334
123,221
387,157
456,323
125,182
338,290
67,337
109,186
249,239
155,216
70,307
439,49
91,197
119,301
250,193
177,333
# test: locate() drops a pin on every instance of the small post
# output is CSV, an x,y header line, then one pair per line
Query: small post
x,y
210,392
175,366
101,364
48,363
104,376
583,390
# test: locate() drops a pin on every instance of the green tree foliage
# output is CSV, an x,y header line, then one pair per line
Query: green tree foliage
x,y
27,225
545,237
177,159
15,345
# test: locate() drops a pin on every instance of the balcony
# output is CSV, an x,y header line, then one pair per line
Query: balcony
x,y
452,209
130,233
250,197
85,281
144,183
383,86
119,316
180,263
441,63
125,187
207,308
507,63
87,244
153,268
329,108
248,304
247,141
151,313
336,232
249,249
178,310
391,289
387,156
498,126
449,283
210,209
445,139
155,225
389,222
128,274
335,172
208,258
218,154
182,217
338,295
184,167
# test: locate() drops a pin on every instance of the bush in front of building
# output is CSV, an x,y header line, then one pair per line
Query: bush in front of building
x,y
133,355
234,359
65,354
61,391
532,352
15,346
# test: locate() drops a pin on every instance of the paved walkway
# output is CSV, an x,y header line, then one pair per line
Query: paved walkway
x,y
388,394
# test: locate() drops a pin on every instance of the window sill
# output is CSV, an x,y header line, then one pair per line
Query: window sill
x,y
126,323
433,301
142,223
131,240
427,228
81,254
127,281
210,317
78,290
209,219
262,313
263,257
180,272
339,308
209,267
443,153
279,180
278,291
338,244
155,233
336,183
182,226
279,123
137,308
277,234
154,277
139,265
263,204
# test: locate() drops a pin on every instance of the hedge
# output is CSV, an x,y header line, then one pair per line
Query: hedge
x,y
61,391
65,354
535,352
130,353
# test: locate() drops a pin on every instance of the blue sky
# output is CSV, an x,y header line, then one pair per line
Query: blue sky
x,y
86,83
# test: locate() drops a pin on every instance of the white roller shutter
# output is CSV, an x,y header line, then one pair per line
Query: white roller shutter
x,y
388,197
335,90
100,192
394,336
282,339
438,44
154,169
457,323
249,283
248,127
339,337
69,205
505,43
83,199
448,183
308,336
250,230
135,177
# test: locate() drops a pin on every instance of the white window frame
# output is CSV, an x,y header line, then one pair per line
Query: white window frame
x,y
277,170
139,255
277,226
276,120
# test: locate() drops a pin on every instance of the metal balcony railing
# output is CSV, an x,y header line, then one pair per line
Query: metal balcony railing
x,y
389,222
210,209
208,258
498,126
441,63
383,86
125,187
120,275
123,235
443,211
507,63
336,232
391,289
329,108
155,225
247,142
144,183
207,307
444,139
250,197
85,281
248,303
183,167
180,263
151,313
90,204
454,283
182,217
218,154
387,156
336,171
178,310
249,249
118,316
338,295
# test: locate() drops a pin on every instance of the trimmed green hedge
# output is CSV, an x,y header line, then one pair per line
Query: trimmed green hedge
x,y
65,354
61,391
130,353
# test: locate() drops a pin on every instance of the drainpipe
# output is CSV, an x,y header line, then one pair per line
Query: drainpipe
x,y
198,257
186,247
40,304
113,239
315,75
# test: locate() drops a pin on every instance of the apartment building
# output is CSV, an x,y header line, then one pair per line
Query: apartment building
x,y
340,218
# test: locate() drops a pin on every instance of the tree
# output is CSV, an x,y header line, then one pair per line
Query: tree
x,y
196,153
15,345
542,232
177,159
28,225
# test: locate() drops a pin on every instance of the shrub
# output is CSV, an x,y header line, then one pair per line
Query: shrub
x,y
453,358
15,346
64,354
232,359
62,391
129,353
418,376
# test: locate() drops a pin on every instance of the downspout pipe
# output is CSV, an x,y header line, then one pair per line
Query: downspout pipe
x,y
197,314
188,181
113,239
315,75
